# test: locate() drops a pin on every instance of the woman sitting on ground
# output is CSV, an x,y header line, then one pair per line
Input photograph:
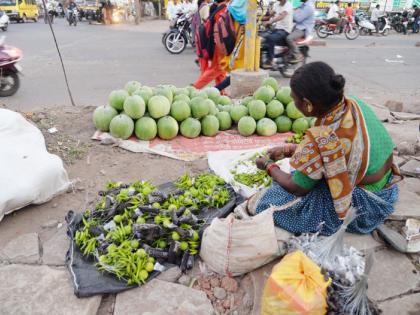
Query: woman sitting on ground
x,y
344,161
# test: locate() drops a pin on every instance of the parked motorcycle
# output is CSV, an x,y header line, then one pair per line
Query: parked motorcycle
x,y
72,16
325,29
179,34
282,55
9,69
368,28
4,21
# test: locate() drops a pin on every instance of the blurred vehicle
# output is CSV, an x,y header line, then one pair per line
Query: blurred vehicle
x,y
325,29
20,10
179,34
368,28
4,21
9,69
88,9
72,16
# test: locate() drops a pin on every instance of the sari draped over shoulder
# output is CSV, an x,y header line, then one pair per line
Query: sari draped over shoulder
x,y
336,149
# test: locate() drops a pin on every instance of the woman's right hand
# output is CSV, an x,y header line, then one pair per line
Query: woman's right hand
x,y
285,151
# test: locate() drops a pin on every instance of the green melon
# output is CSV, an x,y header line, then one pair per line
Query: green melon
x,y
213,94
121,126
257,109
237,112
158,106
116,99
132,86
266,127
134,106
265,94
102,116
284,124
199,108
300,125
274,109
292,111
145,128
167,128
210,126
271,82
247,126
225,121
180,110
190,128
283,95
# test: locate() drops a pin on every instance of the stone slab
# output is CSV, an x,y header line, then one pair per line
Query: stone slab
x,y
382,112
409,304
410,184
407,206
245,83
39,290
411,168
161,297
392,274
23,249
362,242
55,249
405,116
259,278
170,275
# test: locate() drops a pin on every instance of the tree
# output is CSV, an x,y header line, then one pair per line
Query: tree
x,y
139,13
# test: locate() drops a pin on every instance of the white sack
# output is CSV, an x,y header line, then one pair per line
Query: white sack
x,y
28,173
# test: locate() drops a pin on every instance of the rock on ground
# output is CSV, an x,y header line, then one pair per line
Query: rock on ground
x,y
161,297
392,274
411,168
23,249
409,305
41,290
407,206
361,242
170,275
55,249
394,106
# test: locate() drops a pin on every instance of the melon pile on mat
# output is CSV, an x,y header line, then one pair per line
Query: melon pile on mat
x,y
165,111
269,110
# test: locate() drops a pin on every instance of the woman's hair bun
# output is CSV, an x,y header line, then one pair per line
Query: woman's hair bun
x,y
337,82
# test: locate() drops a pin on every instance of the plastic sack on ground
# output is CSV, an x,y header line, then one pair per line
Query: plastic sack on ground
x,y
233,246
29,174
295,286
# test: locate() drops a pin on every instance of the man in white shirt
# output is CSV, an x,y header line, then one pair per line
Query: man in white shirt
x,y
374,17
333,15
283,25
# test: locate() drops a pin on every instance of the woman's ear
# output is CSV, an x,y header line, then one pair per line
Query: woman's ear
x,y
308,107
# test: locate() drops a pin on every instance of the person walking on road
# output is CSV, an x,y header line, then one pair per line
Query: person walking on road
x,y
305,21
283,24
374,17
416,16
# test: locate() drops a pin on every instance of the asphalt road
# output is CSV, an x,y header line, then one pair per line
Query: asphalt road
x,y
101,58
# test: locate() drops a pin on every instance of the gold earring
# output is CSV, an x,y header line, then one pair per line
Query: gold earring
x,y
309,108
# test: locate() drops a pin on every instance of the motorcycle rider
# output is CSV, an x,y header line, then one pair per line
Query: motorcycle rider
x,y
374,17
333,15
304,17
283,24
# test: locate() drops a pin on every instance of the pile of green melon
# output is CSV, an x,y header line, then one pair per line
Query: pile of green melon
x,y
270,110
166,111
163,111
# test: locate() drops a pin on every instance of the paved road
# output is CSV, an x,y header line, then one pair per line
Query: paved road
x,y
101,58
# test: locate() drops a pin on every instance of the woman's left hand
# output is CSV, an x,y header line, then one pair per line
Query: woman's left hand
x,y
261,162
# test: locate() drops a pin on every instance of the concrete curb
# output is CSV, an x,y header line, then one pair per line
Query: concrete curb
x,y
318,43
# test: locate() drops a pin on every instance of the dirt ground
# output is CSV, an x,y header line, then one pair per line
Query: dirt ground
x,y
89,165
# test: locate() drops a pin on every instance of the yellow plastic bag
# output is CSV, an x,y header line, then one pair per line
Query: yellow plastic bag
x,y
295,286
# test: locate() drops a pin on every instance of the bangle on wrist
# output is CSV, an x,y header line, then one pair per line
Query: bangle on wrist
x,y
270,167
267,162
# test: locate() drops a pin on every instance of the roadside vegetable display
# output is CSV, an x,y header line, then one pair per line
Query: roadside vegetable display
x,y
166,111
136,227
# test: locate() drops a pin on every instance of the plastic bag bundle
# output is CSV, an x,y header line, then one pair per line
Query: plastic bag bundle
x,y
295,286
330,252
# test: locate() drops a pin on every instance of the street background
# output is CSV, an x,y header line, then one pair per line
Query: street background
x,y
99,59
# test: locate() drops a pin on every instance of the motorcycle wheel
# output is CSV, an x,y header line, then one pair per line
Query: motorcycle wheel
x,y
385,32
175,42
322,31
75,22
398,28
9,84
164,37
351,32
363,31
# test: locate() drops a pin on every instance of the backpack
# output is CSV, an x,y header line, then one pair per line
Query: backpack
x,y
225,34
204,37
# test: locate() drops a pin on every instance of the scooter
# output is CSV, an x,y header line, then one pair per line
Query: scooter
x,y
9,68
72,16
4,21
282,55
368,28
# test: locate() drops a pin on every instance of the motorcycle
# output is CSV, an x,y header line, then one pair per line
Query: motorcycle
x,y
72,16
51,14
9,69
368,28
4,21
350,29
282,55
179,34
